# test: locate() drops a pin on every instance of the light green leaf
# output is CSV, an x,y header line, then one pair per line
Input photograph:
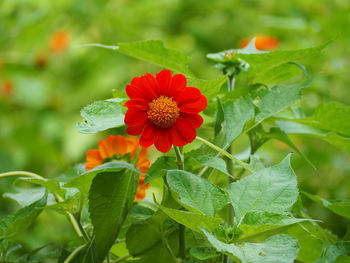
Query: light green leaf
x,y
18,222
83,182
50,184
156,52
110,199
276,249
160,167
213,162
100,116
209,88
195,193
340,207
25,197
256,223
272,189
331,252
203,253
192,220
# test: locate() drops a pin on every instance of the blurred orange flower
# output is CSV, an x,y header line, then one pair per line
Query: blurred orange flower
x,y
261,42
59,41
6,88
117,148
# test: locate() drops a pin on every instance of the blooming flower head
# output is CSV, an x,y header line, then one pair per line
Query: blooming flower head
x,y
261,42
163,110
59,41
120,148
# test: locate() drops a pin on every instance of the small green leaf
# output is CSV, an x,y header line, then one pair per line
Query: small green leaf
x,y
50,184
340,207
25,197
272,189
195,193
192,220
276,249
203,253
160,167
331,252
110,199
140,212
100,116
213,162
18,222
210,88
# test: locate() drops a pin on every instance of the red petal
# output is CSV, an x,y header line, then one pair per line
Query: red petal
x,y
149,136
191,100
135,92
135,117
143,87
164,141
178,85
138,104
195,119
135,130
151,85
164,80
184,132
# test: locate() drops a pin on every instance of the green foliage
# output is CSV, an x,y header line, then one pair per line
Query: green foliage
x,y
160,167
331,252
99,116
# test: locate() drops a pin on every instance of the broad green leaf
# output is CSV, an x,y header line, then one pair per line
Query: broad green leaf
x,y
209,88
256,223
160,167
192,220
110,199
140,212
340,207
337,140
18,222
195,193
25,197
100,116
331,252
236,114
272,189
50,184
213,162
83,182
276,249
156,52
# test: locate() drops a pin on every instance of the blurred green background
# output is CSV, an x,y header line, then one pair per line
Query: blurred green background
x,y
45,80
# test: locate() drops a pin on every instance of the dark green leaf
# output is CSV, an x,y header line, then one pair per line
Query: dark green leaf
x,y
160,167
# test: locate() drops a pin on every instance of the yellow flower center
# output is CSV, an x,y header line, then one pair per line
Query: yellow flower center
x,y
163,112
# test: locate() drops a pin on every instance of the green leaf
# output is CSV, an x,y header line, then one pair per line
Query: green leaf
x,y
272,189
192,220
213,162
140,212
236,114
18,222
331,252
256,223
203,253
195,193
276,249
340,207
110,199
50,184
156,52
160,167
25,197
83,182
100,116
209,88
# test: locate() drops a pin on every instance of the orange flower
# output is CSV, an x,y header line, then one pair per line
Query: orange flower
x,y
6,88
261,42
116,148
59,41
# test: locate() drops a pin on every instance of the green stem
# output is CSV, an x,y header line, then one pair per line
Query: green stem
x,y
74,253
223,152
57,197
182,230
121,259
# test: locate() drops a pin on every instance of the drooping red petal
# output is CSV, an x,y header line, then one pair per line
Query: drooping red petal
x,y
164,80
193,118
149,136
135,117
178,85
164,141
191,100
183,132
138,104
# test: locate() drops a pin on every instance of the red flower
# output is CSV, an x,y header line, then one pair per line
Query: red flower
x,y
116,148
261,42
163,110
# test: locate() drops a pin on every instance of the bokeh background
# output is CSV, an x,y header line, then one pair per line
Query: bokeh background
x,y
45,79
